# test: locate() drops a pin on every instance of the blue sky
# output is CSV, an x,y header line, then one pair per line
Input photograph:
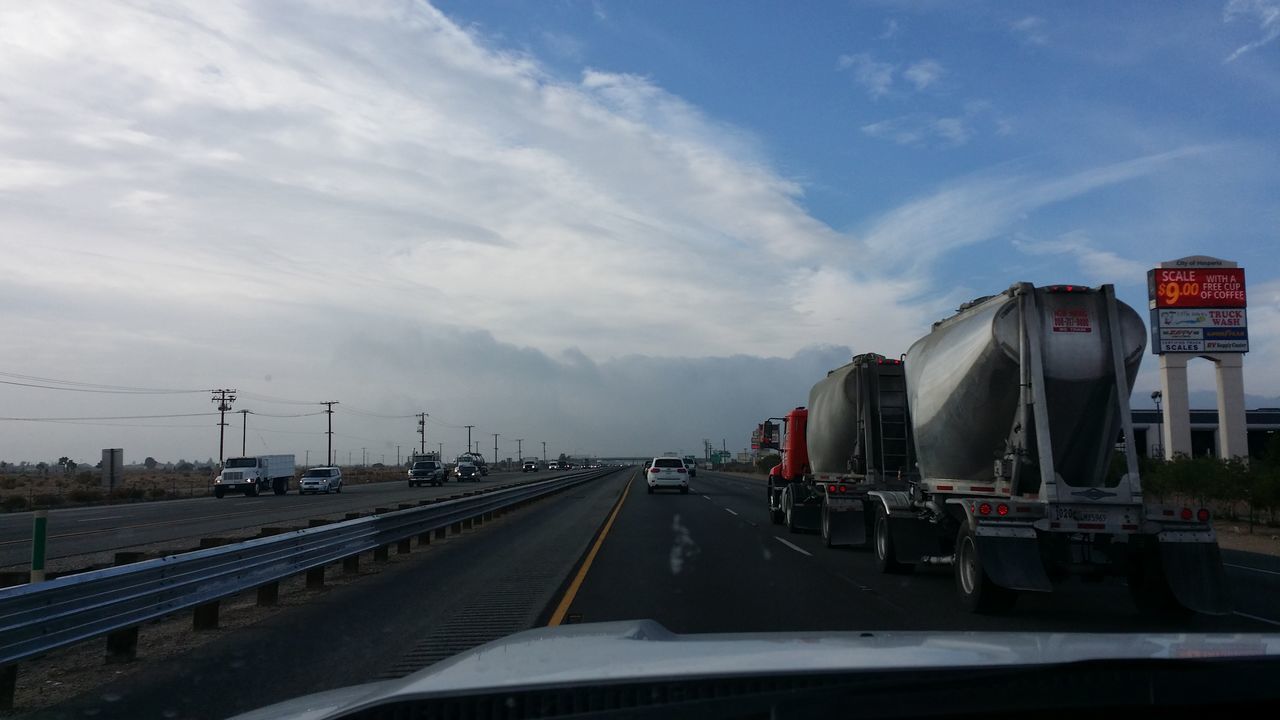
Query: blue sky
x,y
560,220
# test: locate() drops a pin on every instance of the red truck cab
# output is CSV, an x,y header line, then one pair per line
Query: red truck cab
x,y
795,453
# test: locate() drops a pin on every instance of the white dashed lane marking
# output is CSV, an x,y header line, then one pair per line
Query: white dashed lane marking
x,y
793,546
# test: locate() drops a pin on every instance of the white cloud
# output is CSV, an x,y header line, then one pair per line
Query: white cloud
x,y
923,73
890,29
928,130
1266,13
917,233
874,76
1030,29
1097,265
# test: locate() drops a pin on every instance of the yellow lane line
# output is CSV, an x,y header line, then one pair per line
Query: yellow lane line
x,y
558,616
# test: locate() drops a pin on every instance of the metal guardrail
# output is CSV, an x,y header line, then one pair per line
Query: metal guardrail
x,y
37,618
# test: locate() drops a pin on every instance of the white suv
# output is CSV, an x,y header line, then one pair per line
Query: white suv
x,y
321,479
668,472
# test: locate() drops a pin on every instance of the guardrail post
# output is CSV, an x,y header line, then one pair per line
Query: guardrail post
x,y
442,533
466,523
403,547
122,645
380,554
269,594
381,510
8,686
456,528
39,531
478,520
424,538
315,578
205,617
351,565
406,506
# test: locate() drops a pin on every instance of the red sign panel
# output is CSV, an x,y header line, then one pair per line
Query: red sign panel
x,y
1071,320
1196,287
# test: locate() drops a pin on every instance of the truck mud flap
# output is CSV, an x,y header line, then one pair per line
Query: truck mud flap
x,y
848,527
1196,577
808,517
1013,562
913,538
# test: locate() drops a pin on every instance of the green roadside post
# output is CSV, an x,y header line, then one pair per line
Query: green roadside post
x,y
38,532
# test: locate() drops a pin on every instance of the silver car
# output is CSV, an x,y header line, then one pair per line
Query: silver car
x,y
321,479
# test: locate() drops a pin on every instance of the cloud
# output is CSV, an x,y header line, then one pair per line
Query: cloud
x,y
1097,265
890,29
923,73
929,130
874,76
1030,29
915,234
1266,13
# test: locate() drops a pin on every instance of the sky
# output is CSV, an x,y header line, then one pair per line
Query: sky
x,y
618,228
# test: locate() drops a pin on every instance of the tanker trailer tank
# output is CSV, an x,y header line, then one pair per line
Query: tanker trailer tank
x,y
1017,403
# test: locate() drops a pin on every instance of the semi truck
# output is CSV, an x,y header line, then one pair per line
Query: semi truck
x,y
854,437
252,475
1016,403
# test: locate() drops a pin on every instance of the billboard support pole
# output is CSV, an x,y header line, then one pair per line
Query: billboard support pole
x,y
1233,434
1176,427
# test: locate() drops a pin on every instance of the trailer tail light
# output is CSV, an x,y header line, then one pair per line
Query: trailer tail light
x,y
888,361
1186,513
984,509
1203,515
1002,509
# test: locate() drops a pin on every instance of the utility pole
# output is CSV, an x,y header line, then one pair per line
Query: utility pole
x,y
348,458
397,456
440,447
469,437
544,452
520,450
495,449
422,430
329,458
307,462
706,448
364,457
244,430
223,398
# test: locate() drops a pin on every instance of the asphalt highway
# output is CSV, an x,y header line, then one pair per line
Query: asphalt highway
x,y
88,532
710,561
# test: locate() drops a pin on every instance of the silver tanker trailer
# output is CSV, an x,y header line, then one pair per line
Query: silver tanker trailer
x,y
1016,403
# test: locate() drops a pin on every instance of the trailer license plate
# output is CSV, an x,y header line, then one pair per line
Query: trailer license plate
x,y
1080,514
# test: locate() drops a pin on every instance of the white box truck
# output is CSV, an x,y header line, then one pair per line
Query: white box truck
x,y
251,475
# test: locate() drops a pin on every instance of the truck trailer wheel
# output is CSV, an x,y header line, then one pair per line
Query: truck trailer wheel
x,y
977,592
826,526
882,541
219,492
788,507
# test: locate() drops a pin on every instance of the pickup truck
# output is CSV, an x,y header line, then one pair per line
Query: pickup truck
x,y
426,472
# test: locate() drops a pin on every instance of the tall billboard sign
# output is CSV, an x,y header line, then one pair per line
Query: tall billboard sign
x,y
1198,305
1199,308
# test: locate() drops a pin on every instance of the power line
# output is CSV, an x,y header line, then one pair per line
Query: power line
x,y
75,385
107,417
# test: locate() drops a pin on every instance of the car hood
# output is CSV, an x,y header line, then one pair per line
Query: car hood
x,y
644,650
